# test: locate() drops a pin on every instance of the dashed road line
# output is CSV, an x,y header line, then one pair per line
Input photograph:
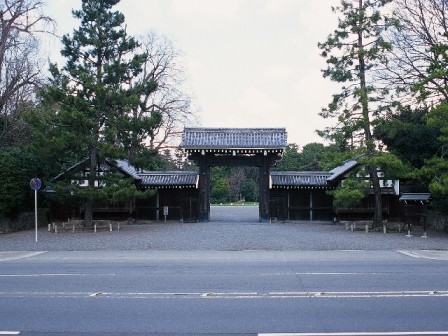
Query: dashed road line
x,y
325,273
228,295
38,275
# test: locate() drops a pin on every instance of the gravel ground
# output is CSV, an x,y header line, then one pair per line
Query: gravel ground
x,y
231,229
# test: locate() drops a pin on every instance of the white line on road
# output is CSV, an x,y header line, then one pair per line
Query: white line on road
x,y
231,295
386,294
17,255
48,275
9,332
326,273
404,333
427,254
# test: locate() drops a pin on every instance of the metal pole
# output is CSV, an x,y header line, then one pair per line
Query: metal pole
x,y
35,211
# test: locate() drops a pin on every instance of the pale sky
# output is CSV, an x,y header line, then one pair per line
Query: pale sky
x,y
250,63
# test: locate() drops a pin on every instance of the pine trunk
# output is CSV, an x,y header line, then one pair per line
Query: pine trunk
x,y
378,206
88,215
364,99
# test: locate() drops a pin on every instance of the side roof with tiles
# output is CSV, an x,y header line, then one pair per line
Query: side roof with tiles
x,y
299,178
169,179
342,169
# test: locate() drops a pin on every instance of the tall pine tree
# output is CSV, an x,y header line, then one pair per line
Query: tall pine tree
x,y
94,94
353,52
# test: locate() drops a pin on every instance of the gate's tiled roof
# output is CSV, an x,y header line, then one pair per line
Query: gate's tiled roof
x,y
169,179
279,179
342,169
319,179
126,167
299,179
189,179
234,138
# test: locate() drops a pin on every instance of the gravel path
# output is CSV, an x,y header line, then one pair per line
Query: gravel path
x,y
231,229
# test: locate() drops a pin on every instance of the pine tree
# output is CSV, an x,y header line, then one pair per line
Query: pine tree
x,y
353,52
94,94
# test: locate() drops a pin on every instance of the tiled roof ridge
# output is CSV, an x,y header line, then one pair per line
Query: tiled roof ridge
x,y
243,138
127,167
297,172
234,129
167,172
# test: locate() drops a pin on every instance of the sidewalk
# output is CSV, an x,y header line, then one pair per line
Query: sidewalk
x,y
231,229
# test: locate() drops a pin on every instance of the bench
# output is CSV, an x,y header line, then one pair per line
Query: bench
x,y
78,226
357,225
366,225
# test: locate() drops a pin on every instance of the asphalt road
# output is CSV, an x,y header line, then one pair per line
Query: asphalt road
x,y
232,276
223,293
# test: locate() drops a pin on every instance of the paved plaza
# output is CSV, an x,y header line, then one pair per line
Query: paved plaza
x,y
230,229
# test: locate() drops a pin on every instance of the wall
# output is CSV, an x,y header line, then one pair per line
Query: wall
x,y
182,205
24,221
300,204
438,221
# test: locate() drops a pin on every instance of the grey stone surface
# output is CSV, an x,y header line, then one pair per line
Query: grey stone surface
x,y
230,229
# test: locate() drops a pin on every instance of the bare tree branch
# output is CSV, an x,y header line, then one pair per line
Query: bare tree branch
x,y
20,66
418,46
171,99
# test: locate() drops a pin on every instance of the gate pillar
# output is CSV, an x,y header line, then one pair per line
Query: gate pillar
x,y
204,189
264,189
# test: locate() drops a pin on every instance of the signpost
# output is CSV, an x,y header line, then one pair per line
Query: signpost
x,y
35,184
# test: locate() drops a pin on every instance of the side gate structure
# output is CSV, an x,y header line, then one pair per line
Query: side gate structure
x,y
185,195
255,147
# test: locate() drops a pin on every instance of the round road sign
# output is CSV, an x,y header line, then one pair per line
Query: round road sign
x,y
35,183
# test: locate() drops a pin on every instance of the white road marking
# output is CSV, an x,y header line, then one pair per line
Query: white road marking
x,y
17,255
430,293
47,275
9,332
230,295
404,333
427,254
325,273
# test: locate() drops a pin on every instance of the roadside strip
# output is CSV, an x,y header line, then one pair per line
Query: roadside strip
x,y
404,333
17,255
427,254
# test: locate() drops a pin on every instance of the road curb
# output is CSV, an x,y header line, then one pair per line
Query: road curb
x,y
17,255
427,254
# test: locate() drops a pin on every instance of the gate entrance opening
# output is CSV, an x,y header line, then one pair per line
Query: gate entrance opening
x,y
241,214
234,194
255,147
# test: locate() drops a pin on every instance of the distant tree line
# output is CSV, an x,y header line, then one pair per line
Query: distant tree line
x,y
119,97
390,59
115,97
391,112
234,184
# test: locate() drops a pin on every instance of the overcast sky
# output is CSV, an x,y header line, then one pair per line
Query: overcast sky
x,y
251,63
